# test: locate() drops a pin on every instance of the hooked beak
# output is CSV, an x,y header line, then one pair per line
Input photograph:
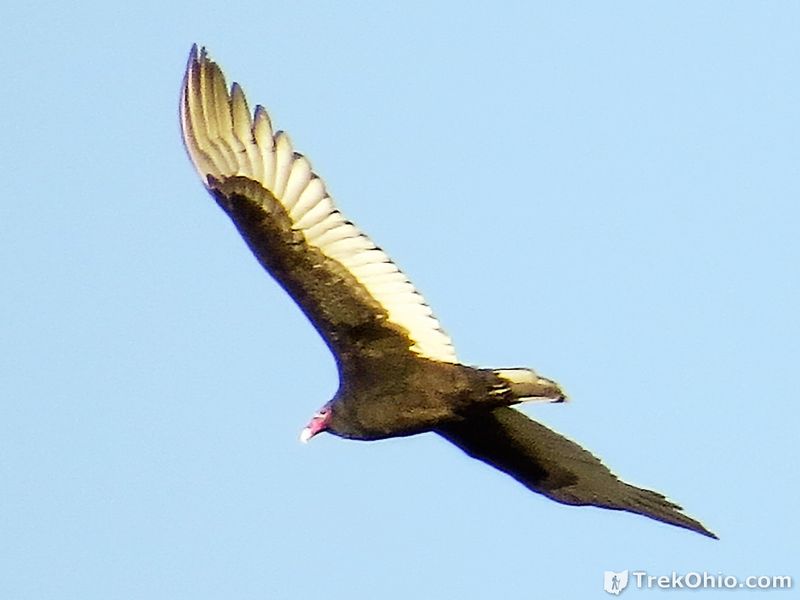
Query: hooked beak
x,y
306,435
318,423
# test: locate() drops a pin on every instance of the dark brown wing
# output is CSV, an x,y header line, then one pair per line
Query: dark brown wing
x,y
550,464
349,288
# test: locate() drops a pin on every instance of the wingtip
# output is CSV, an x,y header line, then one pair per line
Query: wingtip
x,y
198,55
192,63
707,532
657,506
697,527
691,524
193,56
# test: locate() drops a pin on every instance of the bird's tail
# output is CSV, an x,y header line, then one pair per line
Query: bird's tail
x,y
528,386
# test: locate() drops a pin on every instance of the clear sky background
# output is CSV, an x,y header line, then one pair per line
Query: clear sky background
x,y
607,192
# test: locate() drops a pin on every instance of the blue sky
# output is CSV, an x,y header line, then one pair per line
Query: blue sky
x,y
607,192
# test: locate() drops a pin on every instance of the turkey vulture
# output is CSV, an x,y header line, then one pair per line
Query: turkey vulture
x,y
398,371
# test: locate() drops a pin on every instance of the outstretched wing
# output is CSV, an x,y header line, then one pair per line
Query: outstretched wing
x,y
355,296
550,464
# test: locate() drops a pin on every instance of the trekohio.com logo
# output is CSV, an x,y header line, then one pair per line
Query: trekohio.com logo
x,y
615,582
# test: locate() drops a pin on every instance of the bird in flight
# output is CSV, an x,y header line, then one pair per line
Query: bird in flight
x,y
398,370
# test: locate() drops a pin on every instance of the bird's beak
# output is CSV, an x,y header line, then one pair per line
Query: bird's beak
x,y
317,424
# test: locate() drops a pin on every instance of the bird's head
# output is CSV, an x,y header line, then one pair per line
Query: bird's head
x,y
319,422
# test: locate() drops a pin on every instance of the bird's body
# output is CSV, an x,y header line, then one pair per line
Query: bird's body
x,y
398,371
415,396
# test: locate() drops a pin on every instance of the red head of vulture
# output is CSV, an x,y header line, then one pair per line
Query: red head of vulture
x,y
398,371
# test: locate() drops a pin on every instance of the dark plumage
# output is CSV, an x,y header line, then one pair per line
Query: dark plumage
x,y
398,371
